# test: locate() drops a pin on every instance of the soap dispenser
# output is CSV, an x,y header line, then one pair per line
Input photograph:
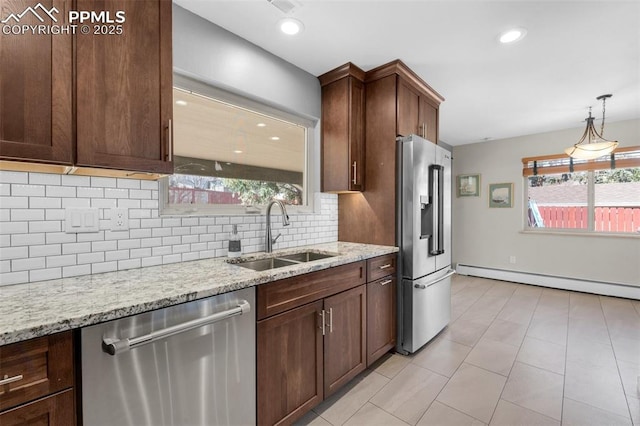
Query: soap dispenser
x,y
235,249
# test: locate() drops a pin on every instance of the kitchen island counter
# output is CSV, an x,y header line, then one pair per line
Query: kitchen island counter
x,y
38,309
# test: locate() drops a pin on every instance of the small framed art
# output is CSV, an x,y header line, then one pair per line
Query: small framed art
x,y
500,195
468,185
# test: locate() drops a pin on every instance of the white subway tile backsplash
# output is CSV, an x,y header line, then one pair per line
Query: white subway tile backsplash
x,y
74,271
32,214
65,260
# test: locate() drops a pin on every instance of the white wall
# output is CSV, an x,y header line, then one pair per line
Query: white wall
x,y
487,237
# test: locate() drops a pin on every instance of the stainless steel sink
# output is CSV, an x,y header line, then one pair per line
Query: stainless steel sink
x,y
282,261
307,256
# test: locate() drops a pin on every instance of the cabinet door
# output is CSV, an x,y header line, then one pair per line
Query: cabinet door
x,y
290,362
40,366
429,119
343,135
345,337
56,410
35,86
408,121
381,317
124,89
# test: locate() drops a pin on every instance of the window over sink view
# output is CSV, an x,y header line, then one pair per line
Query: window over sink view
x,y
230,157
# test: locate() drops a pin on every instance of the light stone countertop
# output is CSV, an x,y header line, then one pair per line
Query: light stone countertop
x,y
38,309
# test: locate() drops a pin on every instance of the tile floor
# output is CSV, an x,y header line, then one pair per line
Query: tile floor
x,y
513,355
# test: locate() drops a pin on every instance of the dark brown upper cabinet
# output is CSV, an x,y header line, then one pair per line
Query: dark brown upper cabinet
x,y
36,104
119,84
342,127
124,89
417,112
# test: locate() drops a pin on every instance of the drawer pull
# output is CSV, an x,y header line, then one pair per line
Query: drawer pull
x,y
385,282
388,265
8,379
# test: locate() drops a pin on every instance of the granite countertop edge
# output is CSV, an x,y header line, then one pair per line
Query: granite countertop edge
x,y
47,307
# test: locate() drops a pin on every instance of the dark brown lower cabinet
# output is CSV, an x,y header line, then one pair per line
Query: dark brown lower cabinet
x,y
345,338
307,353
381,317
54,410
290,364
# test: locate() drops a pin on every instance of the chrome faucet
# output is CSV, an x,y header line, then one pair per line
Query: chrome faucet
x,y
268,242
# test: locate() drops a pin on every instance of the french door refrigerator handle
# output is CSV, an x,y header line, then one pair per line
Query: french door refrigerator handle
x,y
423,286
114,346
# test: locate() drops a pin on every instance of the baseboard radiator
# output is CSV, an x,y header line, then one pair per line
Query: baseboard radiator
x,y
586,286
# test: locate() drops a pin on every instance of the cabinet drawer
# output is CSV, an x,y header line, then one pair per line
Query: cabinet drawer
x,y
55,410
381,266
45,364
282,295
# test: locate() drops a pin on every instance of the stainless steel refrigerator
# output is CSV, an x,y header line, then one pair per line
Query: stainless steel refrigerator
x,y
424,237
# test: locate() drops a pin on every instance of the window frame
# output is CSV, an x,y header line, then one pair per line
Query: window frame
x,y
622,158
187,83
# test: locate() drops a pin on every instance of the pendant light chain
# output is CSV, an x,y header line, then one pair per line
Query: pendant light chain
x,y
604,100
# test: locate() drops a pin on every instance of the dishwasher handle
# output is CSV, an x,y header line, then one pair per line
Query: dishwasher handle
x,y
114,346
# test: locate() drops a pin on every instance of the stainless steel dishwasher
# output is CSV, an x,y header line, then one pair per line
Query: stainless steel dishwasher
x,y
186,365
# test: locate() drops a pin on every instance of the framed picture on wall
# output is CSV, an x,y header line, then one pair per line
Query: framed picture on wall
x,y
468,185
500,195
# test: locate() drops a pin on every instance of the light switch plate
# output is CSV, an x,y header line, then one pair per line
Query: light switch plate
x,y
81,220
119,219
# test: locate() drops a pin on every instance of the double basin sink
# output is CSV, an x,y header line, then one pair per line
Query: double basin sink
x,y
282,260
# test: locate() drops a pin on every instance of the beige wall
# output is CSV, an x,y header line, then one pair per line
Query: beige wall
x,y
488,237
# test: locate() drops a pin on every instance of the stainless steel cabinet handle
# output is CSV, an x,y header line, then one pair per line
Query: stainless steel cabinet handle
x,y
170,141
330,320
114,346
322,318
423,286
388,265
8,379
355,173
385,282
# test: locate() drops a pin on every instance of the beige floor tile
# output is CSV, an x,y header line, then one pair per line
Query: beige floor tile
x,y
493,356
410,393
502,289
312,419
546,355
575,413
591,353
583,305
370,415
478,315
473,391
507,332
508,414
630,374
590,329
441,415
636,305
528,292
339,407
442,356
464,332
634,408
517,313
536,389
390,365
596,386
550,328
626,349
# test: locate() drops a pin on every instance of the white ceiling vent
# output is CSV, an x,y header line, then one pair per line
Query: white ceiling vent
x,y
285,6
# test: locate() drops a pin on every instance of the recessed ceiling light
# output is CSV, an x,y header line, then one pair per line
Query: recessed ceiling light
x,y
512,35
290,26
261,125
237,151
274,138
181,103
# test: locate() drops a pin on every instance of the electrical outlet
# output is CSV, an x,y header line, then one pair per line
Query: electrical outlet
x,y
119,219
512,259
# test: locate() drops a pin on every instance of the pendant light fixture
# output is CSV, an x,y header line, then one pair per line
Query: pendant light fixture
x,y
592,144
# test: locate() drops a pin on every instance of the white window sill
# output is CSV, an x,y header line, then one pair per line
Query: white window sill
x,y
574,233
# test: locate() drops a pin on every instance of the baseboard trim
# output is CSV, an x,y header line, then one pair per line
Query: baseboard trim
x,y
586,286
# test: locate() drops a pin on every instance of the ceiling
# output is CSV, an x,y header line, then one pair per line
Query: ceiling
x,y
574,51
